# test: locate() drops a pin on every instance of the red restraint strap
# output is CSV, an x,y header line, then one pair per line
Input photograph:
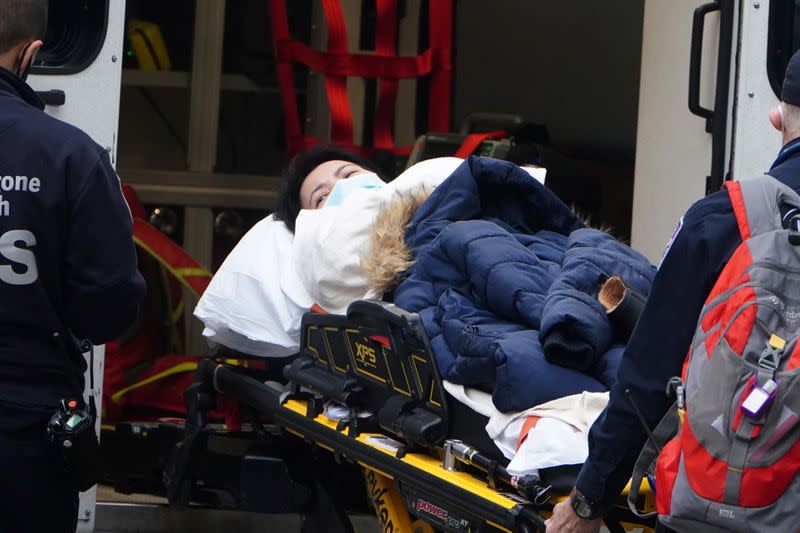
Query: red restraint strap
x,y
336,85
362,65
474,140
385,46
280,33
337,64
440,26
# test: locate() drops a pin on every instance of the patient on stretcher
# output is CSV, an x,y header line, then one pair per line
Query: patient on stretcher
x,y
504,276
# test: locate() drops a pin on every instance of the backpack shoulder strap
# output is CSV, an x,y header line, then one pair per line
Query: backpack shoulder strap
x,y
756,204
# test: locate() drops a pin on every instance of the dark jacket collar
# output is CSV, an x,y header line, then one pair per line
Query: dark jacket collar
x,y
12,85
789,151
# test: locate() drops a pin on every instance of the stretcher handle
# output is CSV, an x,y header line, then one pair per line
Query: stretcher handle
x,y
380,312
304,372
385,311
696,60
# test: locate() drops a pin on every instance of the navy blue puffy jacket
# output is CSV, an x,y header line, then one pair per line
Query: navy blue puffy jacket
x,y
575,329
489,244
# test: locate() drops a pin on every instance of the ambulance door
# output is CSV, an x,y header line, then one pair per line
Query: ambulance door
x,y
770,35
77,73
683,134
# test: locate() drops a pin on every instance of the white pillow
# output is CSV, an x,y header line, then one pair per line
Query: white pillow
x,y
255,301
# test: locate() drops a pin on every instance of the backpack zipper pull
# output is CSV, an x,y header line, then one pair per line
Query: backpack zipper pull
x,y
791,221
676,387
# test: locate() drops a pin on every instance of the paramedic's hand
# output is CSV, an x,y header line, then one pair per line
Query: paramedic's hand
x,y
565,520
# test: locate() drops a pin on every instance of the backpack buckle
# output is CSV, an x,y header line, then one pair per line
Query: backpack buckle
x,y
770,358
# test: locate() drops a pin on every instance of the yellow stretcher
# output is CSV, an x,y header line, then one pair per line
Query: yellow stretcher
x,y
423,471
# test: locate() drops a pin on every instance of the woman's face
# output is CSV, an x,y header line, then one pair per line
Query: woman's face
x,y
320,181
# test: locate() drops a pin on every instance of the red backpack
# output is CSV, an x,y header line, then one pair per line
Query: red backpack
x,y
732,465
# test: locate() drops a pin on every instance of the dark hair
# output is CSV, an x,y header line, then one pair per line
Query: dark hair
x,y
21,20
288,205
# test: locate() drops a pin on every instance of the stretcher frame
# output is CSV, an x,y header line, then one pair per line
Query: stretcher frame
x,y
412,481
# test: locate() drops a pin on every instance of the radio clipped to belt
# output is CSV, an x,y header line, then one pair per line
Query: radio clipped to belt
x,y
72,430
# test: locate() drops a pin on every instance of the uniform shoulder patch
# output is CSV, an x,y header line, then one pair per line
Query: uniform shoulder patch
x,y
675,233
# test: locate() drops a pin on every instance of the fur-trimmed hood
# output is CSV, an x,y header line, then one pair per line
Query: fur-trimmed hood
x,y
387,256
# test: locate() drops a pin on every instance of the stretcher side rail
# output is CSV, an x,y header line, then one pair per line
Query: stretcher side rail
x,y
416,473
421,478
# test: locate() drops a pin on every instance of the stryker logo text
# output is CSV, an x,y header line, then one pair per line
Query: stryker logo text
x,y
377,494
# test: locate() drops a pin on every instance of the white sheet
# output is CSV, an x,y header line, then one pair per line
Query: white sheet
x,y
559,438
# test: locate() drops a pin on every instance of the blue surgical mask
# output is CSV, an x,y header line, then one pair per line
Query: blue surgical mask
x,y
344,187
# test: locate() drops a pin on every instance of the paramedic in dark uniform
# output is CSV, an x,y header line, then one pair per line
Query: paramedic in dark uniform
x,y
67,272
704,240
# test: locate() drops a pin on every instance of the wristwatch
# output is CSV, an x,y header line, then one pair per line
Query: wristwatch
x,y
583,506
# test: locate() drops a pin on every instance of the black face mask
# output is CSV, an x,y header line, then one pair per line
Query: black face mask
x,y
23,73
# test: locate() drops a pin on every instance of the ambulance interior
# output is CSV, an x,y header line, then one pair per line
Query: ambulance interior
x,y
590,118
201,137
